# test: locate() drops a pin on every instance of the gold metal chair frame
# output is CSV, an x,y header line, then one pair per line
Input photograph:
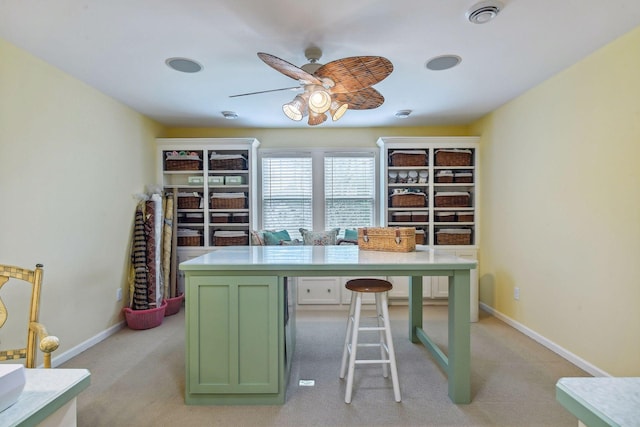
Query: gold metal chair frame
x,y
36,331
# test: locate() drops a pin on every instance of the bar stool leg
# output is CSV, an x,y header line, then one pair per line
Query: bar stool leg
x,y
345,352
382,335
353,347
392,353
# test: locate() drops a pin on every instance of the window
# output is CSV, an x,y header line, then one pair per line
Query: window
x,y
318,190
349,191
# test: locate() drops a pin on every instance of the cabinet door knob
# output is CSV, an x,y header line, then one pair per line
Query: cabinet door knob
x,y
308,290
329,290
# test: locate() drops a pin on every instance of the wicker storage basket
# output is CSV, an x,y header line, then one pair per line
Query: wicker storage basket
x,y
408,200
453,157
227,162
463,177
228,201
391,239
189,200
175,161
401,216
220,217
444,177
189,240
445,216
465,216
452,199
408,158
173,305
191,218
241,217
420,237
454,236
420,216
230,238
145,319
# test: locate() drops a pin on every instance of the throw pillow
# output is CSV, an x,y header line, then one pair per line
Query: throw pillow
x,y
276,237
319,238
350,234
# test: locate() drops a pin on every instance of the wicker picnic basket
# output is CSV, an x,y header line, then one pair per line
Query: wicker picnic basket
x,y
391,239
453,236
228,201
227,162
408,200
230,238
454,157
408,158
452,199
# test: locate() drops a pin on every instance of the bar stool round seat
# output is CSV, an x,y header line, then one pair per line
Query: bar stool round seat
x,y
387,359
368,285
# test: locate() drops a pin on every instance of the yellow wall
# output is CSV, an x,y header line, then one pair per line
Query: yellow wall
x,y
561,208
70,160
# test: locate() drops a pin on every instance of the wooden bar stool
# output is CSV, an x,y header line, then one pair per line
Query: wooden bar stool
x,y
387,355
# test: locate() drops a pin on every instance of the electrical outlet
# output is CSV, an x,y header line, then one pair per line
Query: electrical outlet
x,y
119,294
516,294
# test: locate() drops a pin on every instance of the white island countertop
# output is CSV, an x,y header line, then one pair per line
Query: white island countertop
x,y
337,257
45,391
601,401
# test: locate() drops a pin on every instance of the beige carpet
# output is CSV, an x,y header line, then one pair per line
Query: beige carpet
x,y
138,380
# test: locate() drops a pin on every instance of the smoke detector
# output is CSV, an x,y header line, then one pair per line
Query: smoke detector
x,y
483,12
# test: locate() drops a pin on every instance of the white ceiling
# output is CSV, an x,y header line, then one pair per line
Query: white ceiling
x,y
120,47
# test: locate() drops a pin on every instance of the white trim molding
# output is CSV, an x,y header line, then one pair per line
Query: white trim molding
x,y
69,354
562,352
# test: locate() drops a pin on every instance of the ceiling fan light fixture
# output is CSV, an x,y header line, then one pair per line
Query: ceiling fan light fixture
x,y
319,100
337,110
316,118
295,109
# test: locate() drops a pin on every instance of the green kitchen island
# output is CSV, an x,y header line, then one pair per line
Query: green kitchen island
x,y
240,315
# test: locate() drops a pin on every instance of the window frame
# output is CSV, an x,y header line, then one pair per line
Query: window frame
x,y
317,156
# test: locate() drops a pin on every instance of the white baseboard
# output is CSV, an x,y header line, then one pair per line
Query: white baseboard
x,y
565,354
67,355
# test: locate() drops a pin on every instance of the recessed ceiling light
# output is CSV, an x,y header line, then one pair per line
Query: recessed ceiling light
x,y
443,62
484,11
229,115
403,114
184,65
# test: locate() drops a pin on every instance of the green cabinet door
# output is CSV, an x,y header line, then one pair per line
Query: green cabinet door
x,y
232,325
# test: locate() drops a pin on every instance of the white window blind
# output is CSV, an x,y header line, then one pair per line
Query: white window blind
x,y
287,193
349,189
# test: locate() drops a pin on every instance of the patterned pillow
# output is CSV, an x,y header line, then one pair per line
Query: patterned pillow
x,y
319,238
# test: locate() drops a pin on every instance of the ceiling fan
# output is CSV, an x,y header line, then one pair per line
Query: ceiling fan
x,y
334,87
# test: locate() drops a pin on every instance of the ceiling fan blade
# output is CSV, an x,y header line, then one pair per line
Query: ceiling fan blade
x,y
355,73
289,69
266,91
365,99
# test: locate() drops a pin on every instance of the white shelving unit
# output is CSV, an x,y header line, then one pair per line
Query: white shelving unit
x,y
204,179
445,227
